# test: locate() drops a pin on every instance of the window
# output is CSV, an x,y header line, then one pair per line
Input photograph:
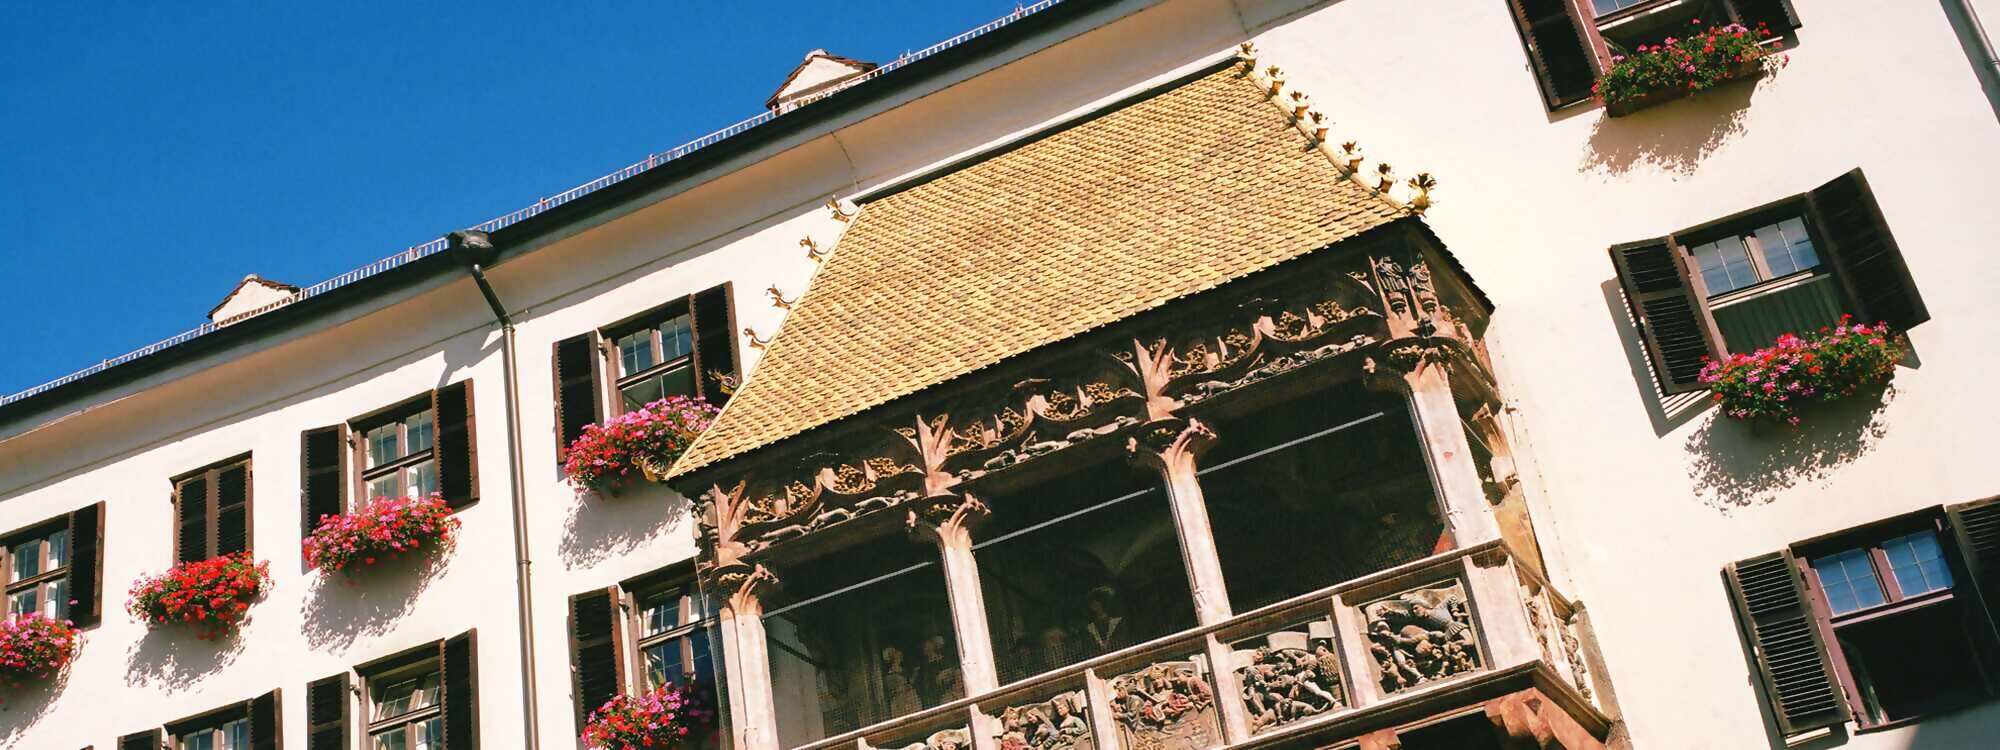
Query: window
x,y
404,712
673,646
1738,283
55,567
212,511
686,347
416,448
398,457
1885,624
422,699
230,735
662,620
1569,42
249,725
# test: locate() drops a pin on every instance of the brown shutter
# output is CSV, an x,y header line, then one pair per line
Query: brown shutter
x,y
326,713
232,509
1557,48
1792,661
150,739
266,733
321,455
1667,300
457,456
191,519
1854,235
576,374
459,675
714,343
1975,531
1777,15
86,565
597,659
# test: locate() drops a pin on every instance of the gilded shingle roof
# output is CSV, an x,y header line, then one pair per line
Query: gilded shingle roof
x,y
1157,199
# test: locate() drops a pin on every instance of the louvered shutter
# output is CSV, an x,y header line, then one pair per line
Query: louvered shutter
x,y
459,676
86,565
266,733
191,519
1672,311
1975,529
1557,48
457,456
1777,15
322,455
597,660
147,740
1792,661
576,376
326,713
232,509
714,344
1854,235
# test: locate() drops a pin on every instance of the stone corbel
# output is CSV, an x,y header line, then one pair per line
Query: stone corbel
x,y
1165,444
741,587
946,518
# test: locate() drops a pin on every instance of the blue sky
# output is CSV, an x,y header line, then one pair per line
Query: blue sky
x,y
151,154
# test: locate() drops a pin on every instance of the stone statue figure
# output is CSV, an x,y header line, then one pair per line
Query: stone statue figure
x,y
1282,685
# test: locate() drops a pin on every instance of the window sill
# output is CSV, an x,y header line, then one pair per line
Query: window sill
x,y
1860,728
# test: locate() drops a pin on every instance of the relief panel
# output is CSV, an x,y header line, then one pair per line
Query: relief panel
x,y
1168,705
1422,636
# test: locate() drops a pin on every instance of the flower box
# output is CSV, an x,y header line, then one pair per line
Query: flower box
x,y
34,648
667,718
642,443
1678,68
213,596
1775,383
385,528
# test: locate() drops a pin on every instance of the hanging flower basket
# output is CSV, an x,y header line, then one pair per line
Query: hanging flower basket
x,y
212,596
668,718
1681,67
641,443
1775,383
34,648
383,529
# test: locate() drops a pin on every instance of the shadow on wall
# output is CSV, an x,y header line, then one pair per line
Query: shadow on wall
x,y
1667,413
1674,137
344,609
600,527
22,708
1737,465
173,657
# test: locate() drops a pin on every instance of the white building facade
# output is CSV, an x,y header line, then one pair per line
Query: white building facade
x,y
1629,496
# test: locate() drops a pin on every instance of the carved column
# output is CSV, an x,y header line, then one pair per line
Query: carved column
x,y
746,654
1171,446
1419,372
948,521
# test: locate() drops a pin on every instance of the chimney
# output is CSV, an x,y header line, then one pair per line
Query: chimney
x,y
251,294
819,76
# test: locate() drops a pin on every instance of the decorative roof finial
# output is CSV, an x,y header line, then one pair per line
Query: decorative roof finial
x,y
1246,53
1388,174
1351,151
1420,191
755,342
812,249
1318,121
778,298
1277,76
1299,104
842,208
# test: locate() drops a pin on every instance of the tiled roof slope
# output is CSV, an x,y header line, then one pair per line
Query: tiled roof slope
x,y
1158,199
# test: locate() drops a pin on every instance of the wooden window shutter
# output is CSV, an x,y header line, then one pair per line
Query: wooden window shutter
x,y
576,378
326,713
714,327
458,674
266,731
86,565
1672,310
322,455
1777,15
457,456
1975,531
1792,661
1854,235
151,739
232,509
597,649
1557,48
191,519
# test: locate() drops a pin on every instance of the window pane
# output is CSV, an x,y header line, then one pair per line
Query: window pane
x,y
1918,563
394,739
58,549
1725,265
27,559
677,381
200,739
635,352
676,339
55,599
419,433
1787,245
1607,6
382,446
402,697
236,735
1080,564
387,486
27,601
429,734
1326,487
1913,663
1848,580
1777,255
663,663
423,478
660,612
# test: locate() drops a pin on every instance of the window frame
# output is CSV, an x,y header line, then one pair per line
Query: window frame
x,y
414,664
214,723
683,633
398,414
1744,225
613,364
212,505
1591,27
38,532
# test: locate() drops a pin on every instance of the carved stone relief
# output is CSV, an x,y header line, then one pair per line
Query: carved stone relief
x,y
1165,706
1290,675
947,739
1422,636
1572,641
1059,723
